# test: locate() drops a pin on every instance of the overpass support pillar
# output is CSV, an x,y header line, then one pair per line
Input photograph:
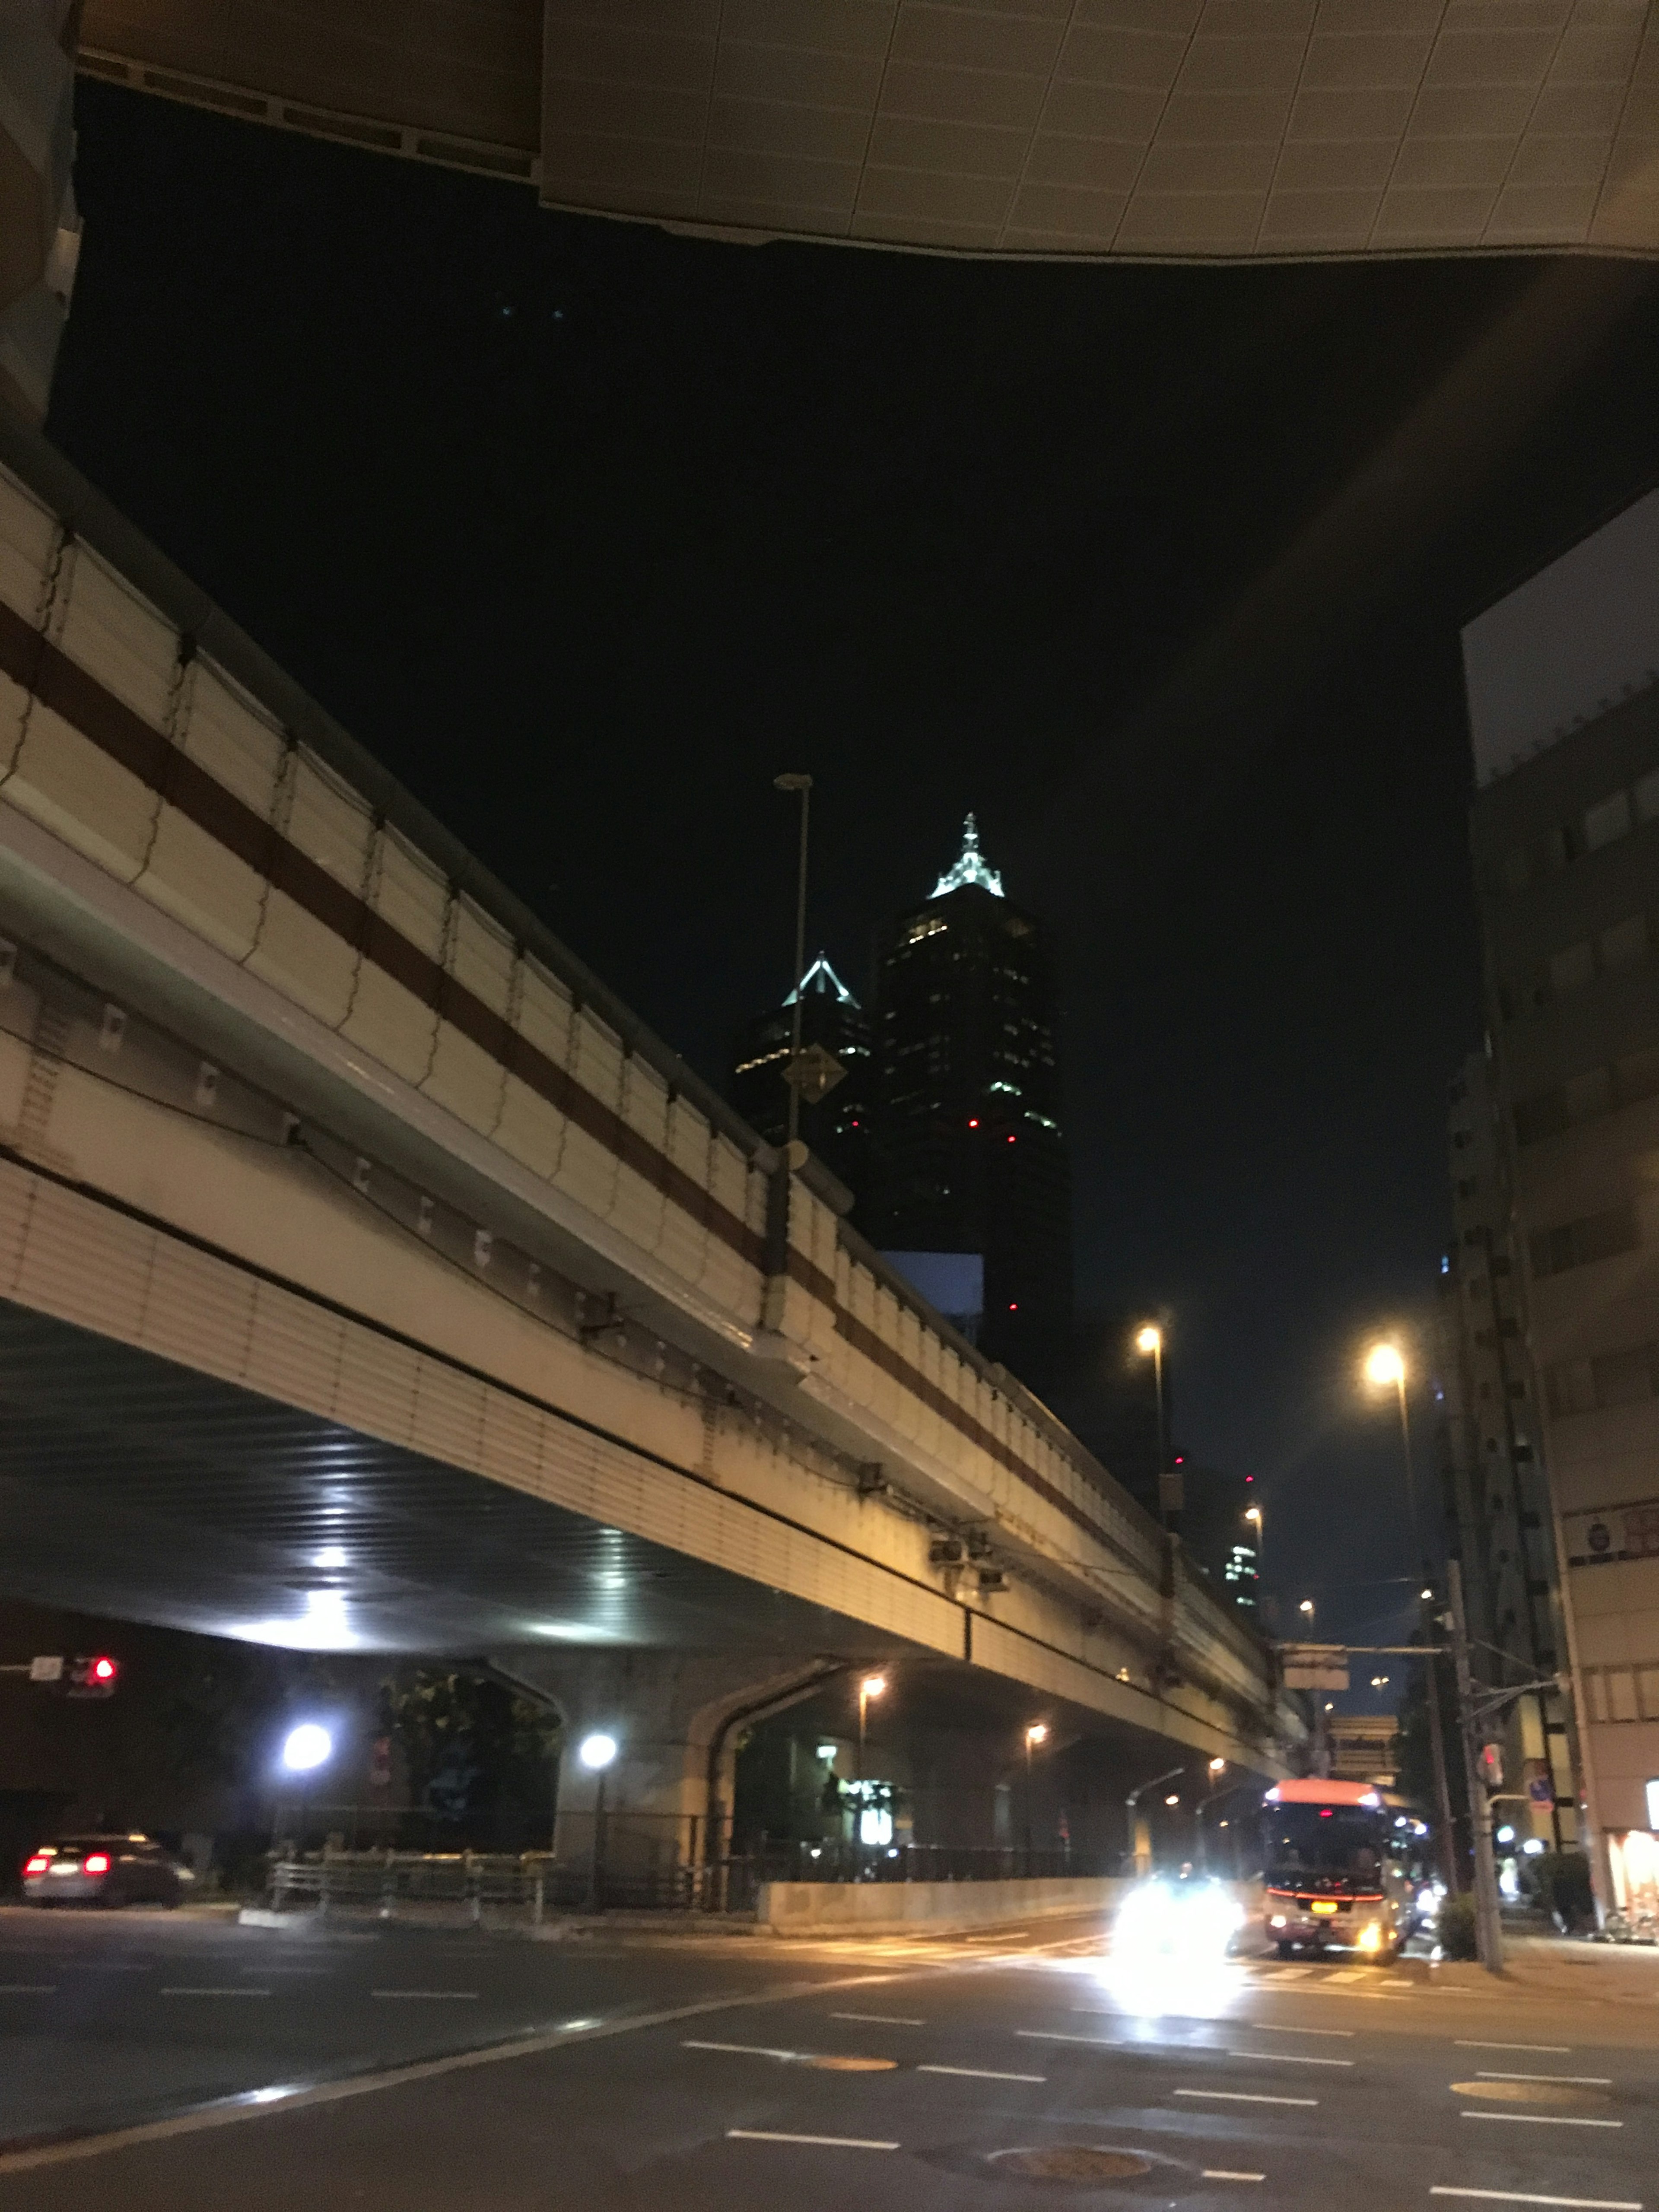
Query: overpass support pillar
x,y
662,1808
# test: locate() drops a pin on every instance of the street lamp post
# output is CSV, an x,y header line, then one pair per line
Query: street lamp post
x,y
1036,1733
1140,1833
1217,1767
1149,1341
1385,1366
596,1753
870,1686
803,784
1254,1513
1322,1750
1488,1922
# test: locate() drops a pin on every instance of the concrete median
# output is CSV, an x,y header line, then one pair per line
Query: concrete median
x,y
829,1908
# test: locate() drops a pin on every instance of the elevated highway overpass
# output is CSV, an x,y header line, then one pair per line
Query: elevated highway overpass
x,y
1161,130
371,1280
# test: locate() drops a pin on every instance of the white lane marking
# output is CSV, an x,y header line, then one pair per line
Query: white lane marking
x,y
1543,2119
424,1993
1584,2080
1242,2097
1275,2028
980,2073
1290,2058
1054,2035
232,1992
1220,2173
880,2019
823,2143
1550,2050
1515,2196
745,2050
27,1989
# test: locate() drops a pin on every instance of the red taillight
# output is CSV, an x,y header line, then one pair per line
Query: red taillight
x,y
104,1670
96,1862
38,1864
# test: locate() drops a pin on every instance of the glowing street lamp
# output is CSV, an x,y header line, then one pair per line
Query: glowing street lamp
x,y
872,1685
597,1752
1385,1370
1036,1733
1149,1342
1253,1514
307,1748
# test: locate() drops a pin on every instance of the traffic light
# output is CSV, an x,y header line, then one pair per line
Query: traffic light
x,y
96,1677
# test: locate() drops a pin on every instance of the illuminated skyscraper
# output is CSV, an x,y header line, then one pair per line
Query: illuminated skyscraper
x,y
973,1159
835,1125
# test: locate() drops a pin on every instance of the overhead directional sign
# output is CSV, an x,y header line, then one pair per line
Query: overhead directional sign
x,y
1315,1666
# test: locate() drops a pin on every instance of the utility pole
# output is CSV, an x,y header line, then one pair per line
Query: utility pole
x,y
1488,1925
803,784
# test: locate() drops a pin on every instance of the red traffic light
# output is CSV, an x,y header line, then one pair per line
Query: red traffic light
x,y
94,1677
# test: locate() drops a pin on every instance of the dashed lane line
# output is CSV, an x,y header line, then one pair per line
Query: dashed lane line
x,y
237,1990
818,2143
1277,2027
427,1996
1290,2059
1516,2197
743,2049
1244,2097
1543,2119
1581,2081
1541,2050
880,2019
980,2073
1222,2173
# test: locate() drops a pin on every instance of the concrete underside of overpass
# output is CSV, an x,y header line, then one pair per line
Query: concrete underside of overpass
x,y
133,1487
1152,130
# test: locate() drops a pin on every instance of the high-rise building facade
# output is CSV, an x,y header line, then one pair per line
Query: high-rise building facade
x,y
1563,681
973,1158
835,1125
1496,1497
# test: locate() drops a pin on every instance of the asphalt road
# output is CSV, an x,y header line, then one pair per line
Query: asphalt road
x,y
701,2076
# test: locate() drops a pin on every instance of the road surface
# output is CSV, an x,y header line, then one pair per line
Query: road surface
x,y
225,2069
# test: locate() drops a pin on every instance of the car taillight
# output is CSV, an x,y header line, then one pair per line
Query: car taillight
x,y
38,1864
96,1862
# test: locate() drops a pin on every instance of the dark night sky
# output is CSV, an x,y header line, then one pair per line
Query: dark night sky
x,y
588,530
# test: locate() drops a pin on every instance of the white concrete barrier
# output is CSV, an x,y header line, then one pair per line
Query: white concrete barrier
x,y
829,1908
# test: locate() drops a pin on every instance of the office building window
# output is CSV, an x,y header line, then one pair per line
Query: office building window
x,y
1578,1243
1626,945
1616,1378
1605,822
1571,969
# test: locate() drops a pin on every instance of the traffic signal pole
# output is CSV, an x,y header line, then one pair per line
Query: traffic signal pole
x,y
1488,1924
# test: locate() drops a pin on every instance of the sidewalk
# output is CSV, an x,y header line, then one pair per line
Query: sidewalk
x,y
1565,1966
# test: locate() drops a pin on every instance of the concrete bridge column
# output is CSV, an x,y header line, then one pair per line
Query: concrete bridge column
x,y
676,1718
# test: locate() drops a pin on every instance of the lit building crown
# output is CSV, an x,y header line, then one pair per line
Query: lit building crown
x,y
822,978
970,868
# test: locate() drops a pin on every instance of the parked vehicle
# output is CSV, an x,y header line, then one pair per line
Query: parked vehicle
x,y
105,1870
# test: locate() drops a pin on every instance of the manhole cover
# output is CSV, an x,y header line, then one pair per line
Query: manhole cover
x,y
1072,2162
1529,2092
832,2064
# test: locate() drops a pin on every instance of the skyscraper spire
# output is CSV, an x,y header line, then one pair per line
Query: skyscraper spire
x,y
970,868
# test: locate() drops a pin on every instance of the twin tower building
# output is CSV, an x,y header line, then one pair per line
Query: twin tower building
x,y
942,1114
